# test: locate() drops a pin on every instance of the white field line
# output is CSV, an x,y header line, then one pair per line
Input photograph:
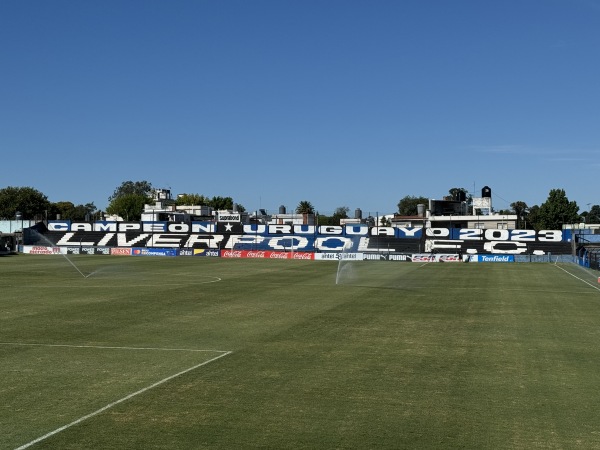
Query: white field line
x,y
104,286
580,279
121,400
111,347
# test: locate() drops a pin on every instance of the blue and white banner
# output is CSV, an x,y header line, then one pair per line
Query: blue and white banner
x,y
154,252
492,258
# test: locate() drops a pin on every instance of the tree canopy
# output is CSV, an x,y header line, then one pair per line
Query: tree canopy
x,y
69,211
305,207
192,200
407,206
593,216
26,200
221,203
457,193
132,187
556,211
128,206
521,210
129,199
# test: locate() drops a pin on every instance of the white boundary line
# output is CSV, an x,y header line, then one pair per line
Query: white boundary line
x,y
34,344
580,279
121,400
216,280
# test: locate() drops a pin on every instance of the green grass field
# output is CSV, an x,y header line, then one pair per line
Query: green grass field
x,y
192,353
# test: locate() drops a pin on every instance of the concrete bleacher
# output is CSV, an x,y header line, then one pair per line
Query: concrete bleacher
x,y
368,244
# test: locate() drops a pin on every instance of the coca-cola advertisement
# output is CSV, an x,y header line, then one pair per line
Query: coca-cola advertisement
x,y
303,255
256,254
278,255
232,253
265,254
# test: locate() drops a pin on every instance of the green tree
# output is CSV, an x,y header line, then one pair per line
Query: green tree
x,y
128,206
385,222
557,210
26,200
142,188
591,216
456,193
407,206
594,214
341,212
192,200
521,210
84,212
69,211
533,217
64,209
129,199
221,203
322,219
305,207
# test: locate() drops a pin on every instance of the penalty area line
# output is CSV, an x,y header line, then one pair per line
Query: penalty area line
x,y
121,400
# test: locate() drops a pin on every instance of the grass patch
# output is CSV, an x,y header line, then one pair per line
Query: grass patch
x,y
401,356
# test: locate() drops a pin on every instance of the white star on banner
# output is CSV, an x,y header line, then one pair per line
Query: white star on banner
x,y
228,227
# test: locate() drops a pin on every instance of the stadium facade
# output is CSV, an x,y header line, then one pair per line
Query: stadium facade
x,y
447,230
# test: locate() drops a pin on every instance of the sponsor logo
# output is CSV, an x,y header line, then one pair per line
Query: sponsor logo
x,y
41,250
101,251
154,252
352,256
374,257
229,218
423,258
435,258
449,258
206,252
399,257
120,251
496,258
302,255
327,256
278,255
252,254
186,252
73,250
231,254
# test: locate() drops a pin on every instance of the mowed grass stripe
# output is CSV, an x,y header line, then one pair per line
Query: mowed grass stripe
x,y
117,402
447,356
45,387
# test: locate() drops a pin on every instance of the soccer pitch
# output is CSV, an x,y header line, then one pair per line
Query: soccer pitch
x,y
182,353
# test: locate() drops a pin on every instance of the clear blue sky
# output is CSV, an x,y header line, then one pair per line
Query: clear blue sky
x,y
338,102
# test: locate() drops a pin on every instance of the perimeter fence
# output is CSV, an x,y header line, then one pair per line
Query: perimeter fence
x,y
549,257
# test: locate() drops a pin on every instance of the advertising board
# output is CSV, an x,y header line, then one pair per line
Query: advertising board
x,y
265,254
492,258
154,252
